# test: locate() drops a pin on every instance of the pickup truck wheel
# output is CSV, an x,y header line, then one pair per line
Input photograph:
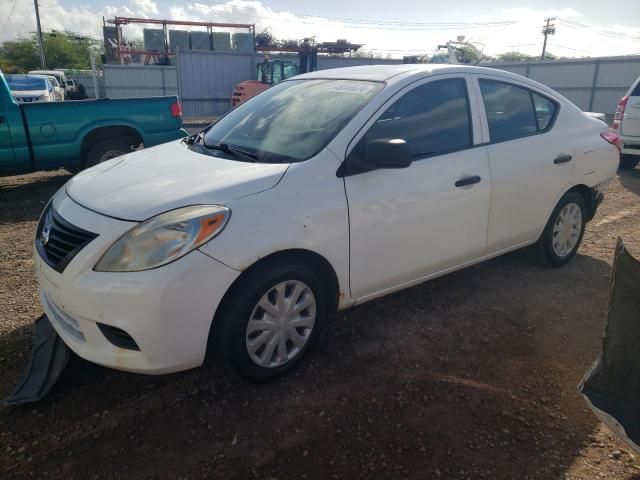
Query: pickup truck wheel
x,y
564,231
628,162
106,150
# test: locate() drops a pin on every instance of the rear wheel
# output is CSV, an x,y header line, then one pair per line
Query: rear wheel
x,y
628,162
108,149
563,233
271,319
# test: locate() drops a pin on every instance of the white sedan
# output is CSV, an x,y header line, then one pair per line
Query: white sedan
x,y
31,89
324,191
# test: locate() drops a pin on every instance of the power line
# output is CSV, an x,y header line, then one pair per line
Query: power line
x,y
401,25
602,32
6,22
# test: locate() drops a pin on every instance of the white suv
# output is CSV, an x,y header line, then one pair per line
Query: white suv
x,y
627,123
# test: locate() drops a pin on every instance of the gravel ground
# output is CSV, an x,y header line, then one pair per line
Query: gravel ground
x,y
470,376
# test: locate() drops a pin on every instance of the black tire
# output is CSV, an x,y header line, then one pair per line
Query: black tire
x,y
543,249
108,149
628,162
228,335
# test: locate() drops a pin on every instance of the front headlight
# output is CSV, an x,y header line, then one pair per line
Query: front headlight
x,y
164,238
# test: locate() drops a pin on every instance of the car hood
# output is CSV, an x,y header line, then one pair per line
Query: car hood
x,y
142,184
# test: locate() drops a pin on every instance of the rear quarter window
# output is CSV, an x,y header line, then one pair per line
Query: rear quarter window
x,y
636,90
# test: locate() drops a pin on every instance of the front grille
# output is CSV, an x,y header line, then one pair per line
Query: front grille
x,y
58,241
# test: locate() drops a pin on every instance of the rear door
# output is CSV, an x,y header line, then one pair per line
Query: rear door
x,y
631,120
531,162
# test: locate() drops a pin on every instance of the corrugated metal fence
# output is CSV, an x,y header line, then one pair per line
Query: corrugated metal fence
x,y
121,81
86,80
594,84
206,79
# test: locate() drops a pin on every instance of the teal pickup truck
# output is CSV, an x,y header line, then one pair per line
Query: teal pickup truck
x,y
79,134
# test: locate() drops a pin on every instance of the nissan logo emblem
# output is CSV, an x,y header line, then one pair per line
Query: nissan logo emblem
x,y
46,231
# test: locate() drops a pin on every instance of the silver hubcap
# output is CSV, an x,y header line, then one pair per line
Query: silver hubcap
x,y
110,154
281,324
566,230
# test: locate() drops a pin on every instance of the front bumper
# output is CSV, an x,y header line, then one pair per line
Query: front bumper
x,y
167,311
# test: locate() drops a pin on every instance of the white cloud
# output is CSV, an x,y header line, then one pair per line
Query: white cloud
x,y
146,6
525,36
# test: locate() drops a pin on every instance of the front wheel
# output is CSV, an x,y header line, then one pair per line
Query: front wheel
x,y
628,162
563,233
272,318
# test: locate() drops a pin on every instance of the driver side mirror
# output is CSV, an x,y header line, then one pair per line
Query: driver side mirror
x,y
387,153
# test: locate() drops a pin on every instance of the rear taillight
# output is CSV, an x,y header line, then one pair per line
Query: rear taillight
x,y
176,109
611,138
619,112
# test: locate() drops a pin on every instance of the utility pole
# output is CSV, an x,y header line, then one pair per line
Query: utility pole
x,y
43,61
548,29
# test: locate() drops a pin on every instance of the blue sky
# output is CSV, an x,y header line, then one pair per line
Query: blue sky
x,y
584,28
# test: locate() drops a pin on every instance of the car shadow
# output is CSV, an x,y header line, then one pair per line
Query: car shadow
x,y
473,372
23,197
630,179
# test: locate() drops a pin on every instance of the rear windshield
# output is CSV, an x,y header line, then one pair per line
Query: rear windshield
x,y
294,120
27,84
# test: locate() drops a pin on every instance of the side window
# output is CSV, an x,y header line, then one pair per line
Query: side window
x,y
545,110
432,118
509,110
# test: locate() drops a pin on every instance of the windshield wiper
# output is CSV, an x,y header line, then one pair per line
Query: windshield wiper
x,y
228,149
198,139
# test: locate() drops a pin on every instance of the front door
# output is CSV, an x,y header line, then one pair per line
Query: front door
x,y
7,156
409,223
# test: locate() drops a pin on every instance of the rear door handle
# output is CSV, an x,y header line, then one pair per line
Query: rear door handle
x,y
1,119
562,159
463,182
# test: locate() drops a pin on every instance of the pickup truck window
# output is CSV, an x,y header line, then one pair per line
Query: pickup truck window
x,y
293,120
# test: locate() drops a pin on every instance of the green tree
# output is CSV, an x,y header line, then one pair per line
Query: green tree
x,y
62,50
19,55
514,57
467,55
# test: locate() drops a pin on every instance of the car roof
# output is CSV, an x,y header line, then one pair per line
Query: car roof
x,y
385,73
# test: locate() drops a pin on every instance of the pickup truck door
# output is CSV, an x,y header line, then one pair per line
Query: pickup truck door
x,y
7,155
410,223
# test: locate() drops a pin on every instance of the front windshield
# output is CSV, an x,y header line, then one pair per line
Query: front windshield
x,y
27,84
294,120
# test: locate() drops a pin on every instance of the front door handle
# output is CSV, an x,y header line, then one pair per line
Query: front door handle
x,y
562,159
463,182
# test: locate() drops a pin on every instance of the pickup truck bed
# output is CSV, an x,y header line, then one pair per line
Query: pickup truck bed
x,y
77,134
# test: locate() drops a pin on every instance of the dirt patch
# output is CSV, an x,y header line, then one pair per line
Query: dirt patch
x,y
472,375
